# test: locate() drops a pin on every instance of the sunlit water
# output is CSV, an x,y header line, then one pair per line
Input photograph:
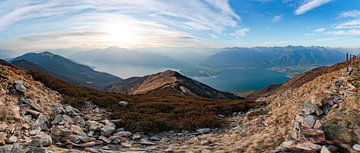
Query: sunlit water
x,y
229,80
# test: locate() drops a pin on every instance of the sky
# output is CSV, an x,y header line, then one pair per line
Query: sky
x,y
28,25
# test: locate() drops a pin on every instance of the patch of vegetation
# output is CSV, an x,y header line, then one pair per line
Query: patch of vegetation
x,y
157,111
344,127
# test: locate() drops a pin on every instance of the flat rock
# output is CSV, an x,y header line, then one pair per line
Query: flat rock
x,y
123,103
40,122
310,108
205,142
108,129
93,125
57,119
203,130
105,139
309,121
19,86
154,138
126,144
77,130
43,140
123,134
146,142
30,103
356,147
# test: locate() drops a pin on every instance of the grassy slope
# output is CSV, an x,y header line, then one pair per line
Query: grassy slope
x,y
153,112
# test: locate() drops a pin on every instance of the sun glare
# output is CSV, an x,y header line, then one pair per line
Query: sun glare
x,y
121,34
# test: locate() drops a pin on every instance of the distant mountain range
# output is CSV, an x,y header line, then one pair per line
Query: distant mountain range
x,y
82,75
171,81
65,69
266,57
120,56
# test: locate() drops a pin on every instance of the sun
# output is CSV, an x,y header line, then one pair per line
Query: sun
x,y
121,34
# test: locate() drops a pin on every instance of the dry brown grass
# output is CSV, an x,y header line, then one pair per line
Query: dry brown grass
x,y
156,111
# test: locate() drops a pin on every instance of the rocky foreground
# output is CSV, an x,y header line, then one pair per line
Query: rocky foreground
x,y
322,115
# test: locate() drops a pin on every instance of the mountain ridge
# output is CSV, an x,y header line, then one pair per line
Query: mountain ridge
x,y
68,70
169,79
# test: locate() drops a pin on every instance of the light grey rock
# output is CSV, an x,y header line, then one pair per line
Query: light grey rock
x,y
60,131
205,142
155,138
105,139
35,131
57,119
136,136
20,87
126,144
79,121
356,147
42,140
169,150
108,129
93,125
77,130
204,130
310,108
30,103
67,119
123,134
38,150
309,121
165,140
73,151
146,142
87,144
40,122
72,138
58,109
124,103
325,150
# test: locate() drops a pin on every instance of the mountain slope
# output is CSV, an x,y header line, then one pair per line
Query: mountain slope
x,y
275,57
169,80
67,70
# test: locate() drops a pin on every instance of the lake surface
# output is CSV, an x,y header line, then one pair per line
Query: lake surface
x,y
235,80
244,79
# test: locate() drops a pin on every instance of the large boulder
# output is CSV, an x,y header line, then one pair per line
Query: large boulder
x,y
20,87
108,129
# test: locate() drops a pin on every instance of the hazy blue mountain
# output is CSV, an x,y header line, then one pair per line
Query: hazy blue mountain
x,y
4,54
119,57
275,57
68,70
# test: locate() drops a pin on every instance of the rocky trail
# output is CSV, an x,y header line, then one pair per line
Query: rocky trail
x,y
322,115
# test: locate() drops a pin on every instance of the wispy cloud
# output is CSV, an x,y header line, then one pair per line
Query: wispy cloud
x,y
309,6
277,18
352,13
151,22
320,30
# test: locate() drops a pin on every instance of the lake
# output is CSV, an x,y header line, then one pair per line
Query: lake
x,y
235,80
244,79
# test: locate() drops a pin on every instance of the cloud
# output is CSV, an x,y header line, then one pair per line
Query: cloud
x,y
277,18
352,14
241,32
320,30
153,23
309,6
17,15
